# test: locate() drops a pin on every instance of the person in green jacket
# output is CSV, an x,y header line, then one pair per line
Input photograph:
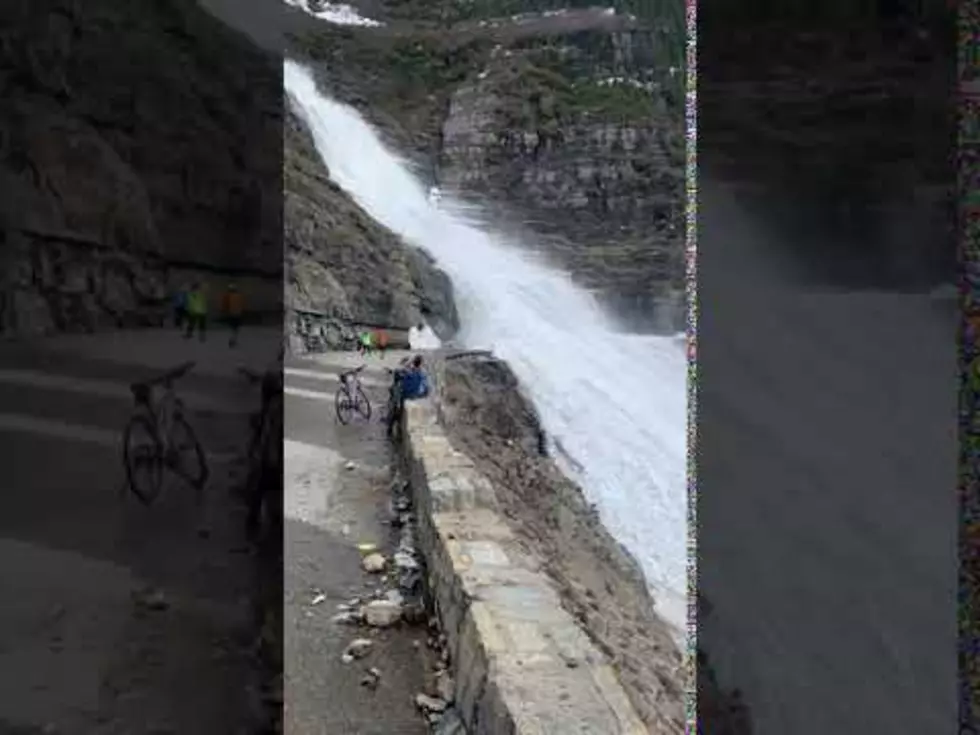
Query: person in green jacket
x,y
365,344
197,311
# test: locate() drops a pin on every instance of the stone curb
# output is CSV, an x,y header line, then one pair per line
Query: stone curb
x,y
523,666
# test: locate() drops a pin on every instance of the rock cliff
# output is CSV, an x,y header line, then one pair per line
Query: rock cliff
x,y
136,145
342,264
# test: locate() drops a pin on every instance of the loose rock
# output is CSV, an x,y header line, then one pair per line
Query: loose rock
x,y
429,704
395,597
405,561
348,617
374,563
371,679
382,613
356,649
445,686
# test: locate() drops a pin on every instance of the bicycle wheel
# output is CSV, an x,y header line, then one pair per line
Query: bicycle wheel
x,y
187,455
362,404
143,457
344,405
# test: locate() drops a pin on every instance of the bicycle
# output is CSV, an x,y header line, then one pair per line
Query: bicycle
x,y
264,453
351,397
158,436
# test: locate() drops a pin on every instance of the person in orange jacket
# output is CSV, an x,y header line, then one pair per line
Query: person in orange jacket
x,y
381,340
233,307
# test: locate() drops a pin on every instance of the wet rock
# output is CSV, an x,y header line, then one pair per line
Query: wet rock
x,y
429,705
374,563
357,649
445,686
371,679
410,582
347,617
413,612
405,561
382,613
395,597
450,724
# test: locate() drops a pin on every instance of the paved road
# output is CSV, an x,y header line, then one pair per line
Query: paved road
x,y
330,509
76,651
827,506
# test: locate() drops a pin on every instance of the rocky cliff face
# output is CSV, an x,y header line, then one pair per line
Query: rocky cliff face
x,y
342,264
136,145
577,137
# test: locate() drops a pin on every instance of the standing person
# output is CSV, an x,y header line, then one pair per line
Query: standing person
x,y
197,312
381,341
233,307
409,382
180,306
365,343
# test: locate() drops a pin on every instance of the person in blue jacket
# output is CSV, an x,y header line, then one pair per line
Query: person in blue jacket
x,y
408,383
414,382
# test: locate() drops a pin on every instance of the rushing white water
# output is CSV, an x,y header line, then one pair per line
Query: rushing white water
x,y
616,403
336,13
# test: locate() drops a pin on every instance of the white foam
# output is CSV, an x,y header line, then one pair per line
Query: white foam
x,y
336,13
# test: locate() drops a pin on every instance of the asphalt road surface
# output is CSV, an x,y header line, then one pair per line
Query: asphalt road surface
x,y
337,485
827,509
82,646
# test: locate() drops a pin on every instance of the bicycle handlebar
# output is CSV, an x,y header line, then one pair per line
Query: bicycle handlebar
x,y
355,371
141,389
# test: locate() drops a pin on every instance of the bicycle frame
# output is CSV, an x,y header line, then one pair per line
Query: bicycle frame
x,y
350,384
163,414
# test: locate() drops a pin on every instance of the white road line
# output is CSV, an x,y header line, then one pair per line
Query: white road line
x,y
312,394
105,438
107,389
330,377
61,430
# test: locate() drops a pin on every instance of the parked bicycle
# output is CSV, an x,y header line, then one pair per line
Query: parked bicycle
x,y
263,485
350,397
158,437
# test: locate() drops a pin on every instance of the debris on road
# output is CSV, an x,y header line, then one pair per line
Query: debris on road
x,y
374,563
357,648
371,679
429,705
382,613
318,599
347,617
405,561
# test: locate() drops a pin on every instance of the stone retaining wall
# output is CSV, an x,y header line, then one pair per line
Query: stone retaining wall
x,y
522,664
